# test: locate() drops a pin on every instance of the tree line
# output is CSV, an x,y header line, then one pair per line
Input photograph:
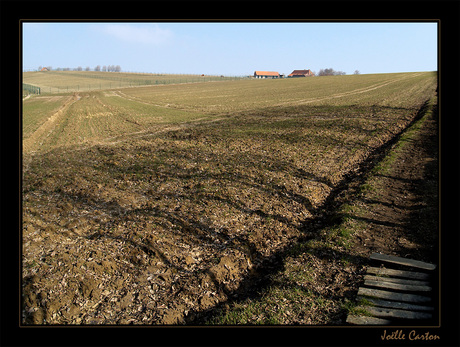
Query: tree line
x,y
108,68
332,72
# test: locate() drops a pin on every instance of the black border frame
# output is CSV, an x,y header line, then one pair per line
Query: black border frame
x,y
12,12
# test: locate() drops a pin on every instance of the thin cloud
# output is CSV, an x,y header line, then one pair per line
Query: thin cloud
x,y
151,34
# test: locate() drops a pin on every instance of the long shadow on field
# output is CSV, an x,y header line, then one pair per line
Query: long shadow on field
x,y
253,287
325,216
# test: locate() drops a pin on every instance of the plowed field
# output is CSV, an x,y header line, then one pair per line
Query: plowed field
x,y
149,205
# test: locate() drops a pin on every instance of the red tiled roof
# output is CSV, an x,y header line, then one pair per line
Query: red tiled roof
x,y
300,72
267,73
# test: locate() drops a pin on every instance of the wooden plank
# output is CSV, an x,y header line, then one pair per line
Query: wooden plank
x,y
397,286
363,320
398,273
397,280
402,261
383,294
397,304
395,313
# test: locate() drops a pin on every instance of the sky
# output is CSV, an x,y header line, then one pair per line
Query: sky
x,y
232,49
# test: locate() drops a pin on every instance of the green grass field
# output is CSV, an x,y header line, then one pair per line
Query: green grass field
x,y
101,115
198,182
52,82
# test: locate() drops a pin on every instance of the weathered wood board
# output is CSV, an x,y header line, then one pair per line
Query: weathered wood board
x,y
401,294
396,304
398,273
397,280
402,261
384,294
397,286
365,320
395,313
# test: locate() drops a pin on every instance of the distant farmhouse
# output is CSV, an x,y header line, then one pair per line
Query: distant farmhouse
x,y
266,74
301,73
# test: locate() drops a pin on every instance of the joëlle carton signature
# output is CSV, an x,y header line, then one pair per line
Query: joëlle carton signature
x,y
413,335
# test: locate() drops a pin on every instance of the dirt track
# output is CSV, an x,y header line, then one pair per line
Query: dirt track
x,y
34,142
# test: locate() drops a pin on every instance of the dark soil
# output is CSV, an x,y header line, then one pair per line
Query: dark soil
x,y
402,204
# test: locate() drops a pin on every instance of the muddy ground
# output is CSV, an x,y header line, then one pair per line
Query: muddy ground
x,y
166,228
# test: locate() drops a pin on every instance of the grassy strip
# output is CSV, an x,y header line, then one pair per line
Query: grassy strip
x,y
384,167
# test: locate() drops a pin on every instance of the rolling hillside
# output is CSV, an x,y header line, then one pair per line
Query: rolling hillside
x,y
149,205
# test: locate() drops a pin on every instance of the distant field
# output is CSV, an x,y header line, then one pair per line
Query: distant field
x,y
69,81
92,117
147,204
379,89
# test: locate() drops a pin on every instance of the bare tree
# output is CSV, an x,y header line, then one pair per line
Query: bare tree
x,y
87,68
356,72
330,72
326,72
97,68
109,68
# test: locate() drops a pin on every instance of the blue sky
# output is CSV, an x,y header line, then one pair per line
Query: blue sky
x,y
232,48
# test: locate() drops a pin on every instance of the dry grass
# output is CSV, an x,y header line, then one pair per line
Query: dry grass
x,y
52,82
